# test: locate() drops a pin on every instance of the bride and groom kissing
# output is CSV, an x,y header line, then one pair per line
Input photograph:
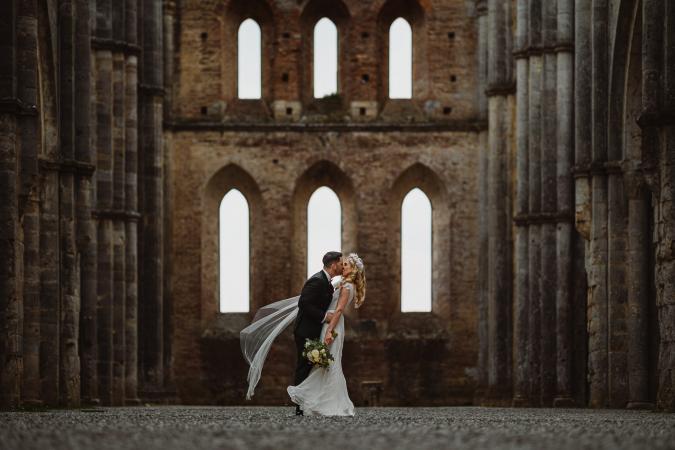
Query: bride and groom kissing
x,y
319,315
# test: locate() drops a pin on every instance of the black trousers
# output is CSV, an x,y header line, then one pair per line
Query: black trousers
x,y
303,367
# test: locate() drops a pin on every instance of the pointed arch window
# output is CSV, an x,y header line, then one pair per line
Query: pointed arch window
x,y
249,60
400,59
234,253
416,250
325,58
324,226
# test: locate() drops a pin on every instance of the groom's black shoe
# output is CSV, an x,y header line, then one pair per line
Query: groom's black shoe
x,y
298,411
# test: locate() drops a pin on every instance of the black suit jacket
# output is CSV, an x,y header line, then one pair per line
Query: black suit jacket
x,y
315,298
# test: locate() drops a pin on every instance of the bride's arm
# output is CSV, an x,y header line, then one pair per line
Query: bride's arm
x,y
342,303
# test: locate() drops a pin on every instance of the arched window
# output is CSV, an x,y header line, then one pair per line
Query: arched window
x,y
400,59
249,58
416,252
234,253
325,58
324,227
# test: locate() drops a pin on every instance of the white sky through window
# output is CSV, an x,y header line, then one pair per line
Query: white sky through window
x,y
400,59
249,51
416,250
325,58
324,227
234,253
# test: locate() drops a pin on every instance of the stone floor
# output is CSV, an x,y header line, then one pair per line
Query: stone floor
x,y
185,428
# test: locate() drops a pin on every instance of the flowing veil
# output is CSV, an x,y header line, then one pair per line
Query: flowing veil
x,y
257,338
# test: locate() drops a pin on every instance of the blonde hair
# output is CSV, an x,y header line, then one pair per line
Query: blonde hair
x,y
357,277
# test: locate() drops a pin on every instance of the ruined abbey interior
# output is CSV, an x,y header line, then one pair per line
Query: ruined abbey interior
x,y
542,134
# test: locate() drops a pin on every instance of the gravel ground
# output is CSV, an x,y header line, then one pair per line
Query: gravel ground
x,y
186,428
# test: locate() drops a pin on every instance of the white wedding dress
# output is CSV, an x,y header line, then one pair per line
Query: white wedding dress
x,y
324,391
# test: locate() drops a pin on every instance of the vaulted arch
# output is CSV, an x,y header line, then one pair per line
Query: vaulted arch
x,y
247,15
338,14
230,180
421,177
413,14
321,174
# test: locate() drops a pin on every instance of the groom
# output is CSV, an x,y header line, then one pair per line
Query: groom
x,y
315,298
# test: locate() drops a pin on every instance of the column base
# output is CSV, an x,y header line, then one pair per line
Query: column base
x,y
90,401
132,401
35,403
520,402
564,402
640,405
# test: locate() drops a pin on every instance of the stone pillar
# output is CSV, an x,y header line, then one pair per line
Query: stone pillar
x,y
131,206
482,201
521,371
638,295
548,218
565,155
10,292
104,196
483,235
69,375
597,284
658,147
582,158
500,87
534,204
85,225
151,270
29,206
118,194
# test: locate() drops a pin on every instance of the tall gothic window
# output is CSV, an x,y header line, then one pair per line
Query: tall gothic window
x,y
234,253
416,252
400,59
325,58
324,227
249,57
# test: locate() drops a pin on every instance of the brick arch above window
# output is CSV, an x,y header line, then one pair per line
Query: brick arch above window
x,y
224,180
234,15
321,173
423,177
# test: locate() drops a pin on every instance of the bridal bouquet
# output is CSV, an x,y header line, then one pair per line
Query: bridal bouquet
x,y
317,353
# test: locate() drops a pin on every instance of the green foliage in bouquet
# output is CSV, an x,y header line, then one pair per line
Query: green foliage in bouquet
x,y
317,353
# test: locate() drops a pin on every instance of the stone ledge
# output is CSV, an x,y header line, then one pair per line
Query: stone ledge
x,y
470,125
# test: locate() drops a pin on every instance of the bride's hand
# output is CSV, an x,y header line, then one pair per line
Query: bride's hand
x,y
329,337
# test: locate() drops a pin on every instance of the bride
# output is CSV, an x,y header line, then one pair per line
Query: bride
x,y
324,391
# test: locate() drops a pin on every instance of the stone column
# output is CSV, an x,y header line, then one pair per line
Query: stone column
x,y
482,201
151,257
534,204
85,225
118,205
597,284
658,133
10,293
29,204
500,87
582,151
104,196
548,218
131,206
521,371
69,375
565,155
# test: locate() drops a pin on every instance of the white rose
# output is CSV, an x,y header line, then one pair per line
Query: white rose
x,y
323,351
315,353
